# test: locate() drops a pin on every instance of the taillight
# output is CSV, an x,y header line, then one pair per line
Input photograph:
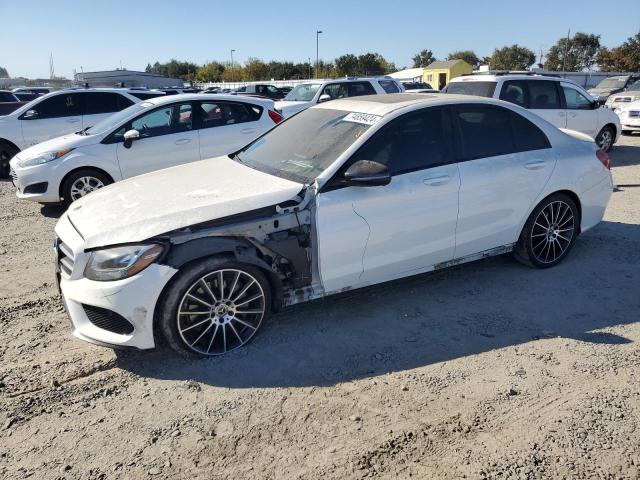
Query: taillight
x,y
604,158
275,116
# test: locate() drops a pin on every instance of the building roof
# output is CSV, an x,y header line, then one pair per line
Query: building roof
x,y
407,74
444,64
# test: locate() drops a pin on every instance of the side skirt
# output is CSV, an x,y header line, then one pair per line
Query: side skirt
x,y
315,291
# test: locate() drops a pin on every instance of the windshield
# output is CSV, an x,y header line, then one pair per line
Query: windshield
x,y
481,89
302,147
635,86
303,93
116,119
612,82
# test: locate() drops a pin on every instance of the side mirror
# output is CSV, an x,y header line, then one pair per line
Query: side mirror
x,y
30,115
129,137
367,173
324,98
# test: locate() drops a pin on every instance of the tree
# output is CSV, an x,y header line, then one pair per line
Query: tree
x,y
625,58
468,56
255,69
346,65
578,55
210,72
512,57
174,68
423,59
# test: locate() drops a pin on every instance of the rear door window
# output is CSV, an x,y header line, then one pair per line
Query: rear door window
x,y
104,102
485,131
481,89
389,86
220,114
543,94
515,91
356,89
415,141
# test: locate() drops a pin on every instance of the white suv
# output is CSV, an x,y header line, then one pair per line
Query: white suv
x,y
154,134
557,100
306,95
55,114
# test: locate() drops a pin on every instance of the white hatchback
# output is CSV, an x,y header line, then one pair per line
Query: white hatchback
x,y
346,194
559,101
157,133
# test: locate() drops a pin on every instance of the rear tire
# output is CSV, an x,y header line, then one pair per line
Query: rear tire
x,y
605,138
81,183
201,316
7,152
549,233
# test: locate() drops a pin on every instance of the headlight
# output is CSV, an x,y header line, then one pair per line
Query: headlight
x,y
43,158
121,262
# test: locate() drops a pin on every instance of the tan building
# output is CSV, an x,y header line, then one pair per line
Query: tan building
x,y
438,74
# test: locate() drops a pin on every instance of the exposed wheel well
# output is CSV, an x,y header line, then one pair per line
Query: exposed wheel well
x,y
81,168
10,143
613,127
274,282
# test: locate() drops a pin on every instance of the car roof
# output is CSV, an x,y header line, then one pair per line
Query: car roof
x,y
385,104
186,97
488,77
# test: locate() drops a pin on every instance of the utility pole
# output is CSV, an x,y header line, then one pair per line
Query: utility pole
x,y
566,50
232,71
318,32
309,68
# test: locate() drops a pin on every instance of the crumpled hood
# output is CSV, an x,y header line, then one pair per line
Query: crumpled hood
x,y
59,143
288,107
158,202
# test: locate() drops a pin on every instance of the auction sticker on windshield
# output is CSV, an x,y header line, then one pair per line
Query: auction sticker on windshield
x,y
363,118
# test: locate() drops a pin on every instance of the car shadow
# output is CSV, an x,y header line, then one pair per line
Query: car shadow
x,y
625,155
427,319
53,210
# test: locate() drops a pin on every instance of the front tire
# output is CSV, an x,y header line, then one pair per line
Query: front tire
x,y
605,138
81,183
7,152
214,307
549,233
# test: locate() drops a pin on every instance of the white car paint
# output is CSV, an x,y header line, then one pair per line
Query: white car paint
x,y
23,133
629,114
288,106
98,151
362,235
590,119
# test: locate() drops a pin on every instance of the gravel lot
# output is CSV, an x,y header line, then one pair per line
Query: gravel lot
x,y
487,370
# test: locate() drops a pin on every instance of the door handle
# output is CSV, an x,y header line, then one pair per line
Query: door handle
x,y
248,130
436,180
182,141
72,120
534,165
573,115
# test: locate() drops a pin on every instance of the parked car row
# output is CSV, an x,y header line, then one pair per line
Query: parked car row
x,y
559,101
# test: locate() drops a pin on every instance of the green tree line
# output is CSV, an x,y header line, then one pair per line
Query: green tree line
x,y
580,52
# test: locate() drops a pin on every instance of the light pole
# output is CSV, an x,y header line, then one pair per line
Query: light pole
x,y
318,32
232,71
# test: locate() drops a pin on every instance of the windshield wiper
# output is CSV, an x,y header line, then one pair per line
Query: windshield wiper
x,y
83,131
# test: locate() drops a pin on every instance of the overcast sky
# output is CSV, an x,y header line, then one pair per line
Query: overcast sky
x,y
103,35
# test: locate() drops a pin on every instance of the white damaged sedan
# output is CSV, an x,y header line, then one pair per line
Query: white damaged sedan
x,y
344,195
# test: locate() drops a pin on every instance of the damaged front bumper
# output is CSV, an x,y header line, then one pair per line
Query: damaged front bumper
x,y
116,313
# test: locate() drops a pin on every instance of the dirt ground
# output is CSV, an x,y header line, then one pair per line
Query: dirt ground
x,y
487,370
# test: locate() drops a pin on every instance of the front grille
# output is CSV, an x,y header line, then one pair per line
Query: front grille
x,y
621,99
66,258
108,320
14,178
634,114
